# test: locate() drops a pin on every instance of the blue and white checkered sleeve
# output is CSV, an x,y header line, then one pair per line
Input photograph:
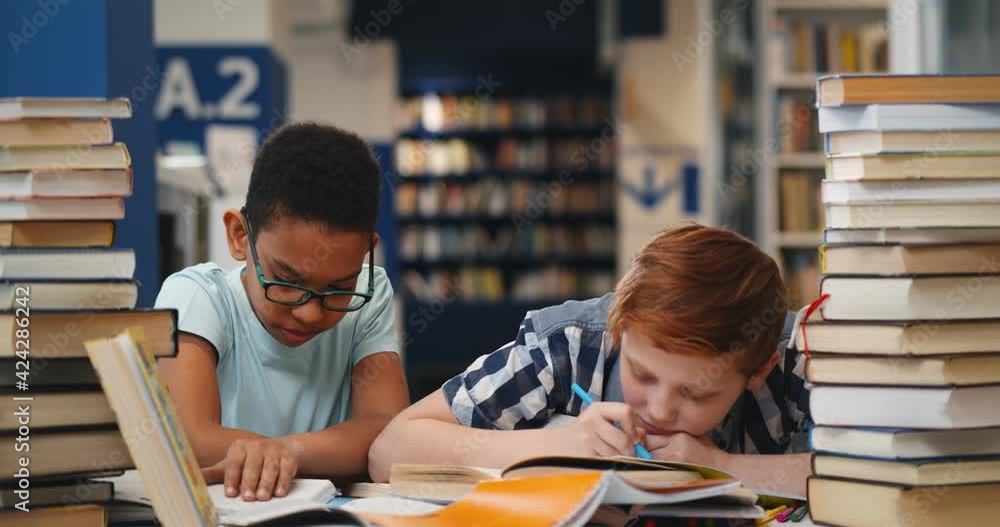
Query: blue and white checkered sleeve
x,y
507,389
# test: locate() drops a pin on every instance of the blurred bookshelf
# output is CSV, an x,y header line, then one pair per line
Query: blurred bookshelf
x,y
734,73
496,201
801,41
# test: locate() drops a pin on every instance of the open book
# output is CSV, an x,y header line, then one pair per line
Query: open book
x,y
304,495
631,481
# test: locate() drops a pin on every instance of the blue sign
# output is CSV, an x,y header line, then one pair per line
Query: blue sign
x,y
650,194
201,86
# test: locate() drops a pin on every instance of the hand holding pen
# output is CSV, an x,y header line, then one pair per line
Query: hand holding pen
x,y
622,437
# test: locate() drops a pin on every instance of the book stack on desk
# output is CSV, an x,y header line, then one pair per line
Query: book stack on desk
x,y
904,346
62,184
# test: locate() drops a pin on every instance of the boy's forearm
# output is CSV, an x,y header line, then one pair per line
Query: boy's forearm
x,y
340,451
447,443
783,473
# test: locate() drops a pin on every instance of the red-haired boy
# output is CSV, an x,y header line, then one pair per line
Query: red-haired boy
x,y
684,355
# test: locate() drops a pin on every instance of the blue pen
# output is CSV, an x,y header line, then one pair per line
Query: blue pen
x,y
639,449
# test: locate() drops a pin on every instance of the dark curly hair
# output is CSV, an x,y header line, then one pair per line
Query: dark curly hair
x,y
315,172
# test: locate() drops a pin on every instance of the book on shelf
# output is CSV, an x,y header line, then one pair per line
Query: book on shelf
x,y
947,407
59,453
65,107
95,183
62,209
939,141
837,90
800,194
958,370
909,473
889,260
61,157
808,46
905,444
938,118
911,236
914,338
797,124
57,131
914,165
912,215
910,298
62,234
876,504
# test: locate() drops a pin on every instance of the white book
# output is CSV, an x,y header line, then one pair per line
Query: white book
x,y
67,263
909,117
889,236
77,107
883,406
930,298
918,190
68,294
65,183
63,209
912,215
905,444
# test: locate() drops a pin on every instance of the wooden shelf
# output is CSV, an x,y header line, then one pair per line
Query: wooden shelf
x,y
508,218
798,240
815,160
513,173
519,261
796,81
830,5
495,134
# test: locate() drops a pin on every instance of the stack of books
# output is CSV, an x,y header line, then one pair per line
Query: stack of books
x,y
62,183
905,355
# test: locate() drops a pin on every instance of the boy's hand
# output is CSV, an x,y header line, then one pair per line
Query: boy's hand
x,y
685,447
258,468
593,432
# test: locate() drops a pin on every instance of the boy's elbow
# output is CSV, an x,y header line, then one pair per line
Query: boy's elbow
x,y
380,453
206,446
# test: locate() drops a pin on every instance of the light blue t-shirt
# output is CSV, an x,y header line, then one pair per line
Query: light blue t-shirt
x,y
264,386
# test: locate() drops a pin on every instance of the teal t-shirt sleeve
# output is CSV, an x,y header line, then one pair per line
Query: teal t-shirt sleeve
x,y
197,310
375,330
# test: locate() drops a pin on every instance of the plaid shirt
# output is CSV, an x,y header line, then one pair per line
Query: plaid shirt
x,y
522,384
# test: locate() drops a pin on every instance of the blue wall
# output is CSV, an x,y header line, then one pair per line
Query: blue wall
x,y
95,48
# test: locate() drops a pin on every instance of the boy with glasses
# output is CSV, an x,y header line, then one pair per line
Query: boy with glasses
x,y
289,364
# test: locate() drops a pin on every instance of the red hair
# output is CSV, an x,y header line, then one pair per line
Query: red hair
x,y
697,289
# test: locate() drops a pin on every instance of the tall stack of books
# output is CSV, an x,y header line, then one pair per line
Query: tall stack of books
x,y
904,354
62,185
